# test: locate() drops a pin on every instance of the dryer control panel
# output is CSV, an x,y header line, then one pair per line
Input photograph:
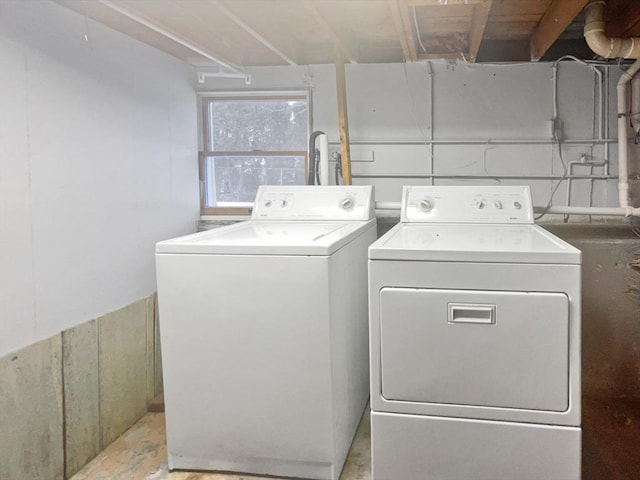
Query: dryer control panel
x,y
467,204
306,202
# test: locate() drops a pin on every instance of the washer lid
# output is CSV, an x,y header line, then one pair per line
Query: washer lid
x,y
255,237
473,243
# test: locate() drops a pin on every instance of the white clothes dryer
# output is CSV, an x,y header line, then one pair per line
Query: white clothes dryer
x,y
475,341
264,334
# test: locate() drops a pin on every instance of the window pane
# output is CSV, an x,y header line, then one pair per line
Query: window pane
x,y
261,124
232,181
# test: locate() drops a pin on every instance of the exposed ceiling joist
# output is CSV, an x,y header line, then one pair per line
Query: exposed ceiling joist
x,y
436,56
478,24
556,19
402,20
624,19
238,21
327,26
175,36
238,34
397,20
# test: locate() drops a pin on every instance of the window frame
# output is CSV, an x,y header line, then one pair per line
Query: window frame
x,y
204,99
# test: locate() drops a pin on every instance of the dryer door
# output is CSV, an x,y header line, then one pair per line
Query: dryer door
x,y
481,348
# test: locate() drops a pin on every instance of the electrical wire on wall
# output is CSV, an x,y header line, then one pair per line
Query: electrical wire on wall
x,y
484,162
557,131
555,138
565,174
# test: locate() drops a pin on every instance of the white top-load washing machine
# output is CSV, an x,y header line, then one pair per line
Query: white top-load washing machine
x,y
475,341
264,334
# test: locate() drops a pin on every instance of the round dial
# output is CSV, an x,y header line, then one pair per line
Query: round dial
x,y
498,204
347,203
425,205
480,204
517,205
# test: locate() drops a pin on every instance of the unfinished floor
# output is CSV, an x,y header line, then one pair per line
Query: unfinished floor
x,y
141,454
611,449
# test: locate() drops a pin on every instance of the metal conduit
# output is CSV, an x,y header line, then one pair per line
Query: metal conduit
x,y
537,141
485,177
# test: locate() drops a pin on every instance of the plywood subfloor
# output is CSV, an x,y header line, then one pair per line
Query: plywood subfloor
x,y
611,436
141,454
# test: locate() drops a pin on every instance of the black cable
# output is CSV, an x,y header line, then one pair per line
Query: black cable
x,y
312,167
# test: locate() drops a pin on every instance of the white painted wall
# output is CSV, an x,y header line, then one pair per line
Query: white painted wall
x,y
390,103
98,161
98,150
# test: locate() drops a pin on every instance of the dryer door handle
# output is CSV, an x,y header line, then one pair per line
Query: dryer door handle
x,y
474,313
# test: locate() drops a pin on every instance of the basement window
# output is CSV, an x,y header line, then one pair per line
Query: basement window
x,y
251,140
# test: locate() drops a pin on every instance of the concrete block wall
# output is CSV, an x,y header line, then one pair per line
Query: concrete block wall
x,y
65,398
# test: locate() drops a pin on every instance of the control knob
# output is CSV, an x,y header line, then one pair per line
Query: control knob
x,y
425,205
347,203
517,205
480,204
498,204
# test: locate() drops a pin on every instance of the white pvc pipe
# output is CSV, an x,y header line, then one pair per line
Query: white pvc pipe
x,y
604,211
623,140
597,39
635,103
323,146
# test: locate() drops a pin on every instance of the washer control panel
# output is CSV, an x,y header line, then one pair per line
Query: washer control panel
x,y
343,202
467,204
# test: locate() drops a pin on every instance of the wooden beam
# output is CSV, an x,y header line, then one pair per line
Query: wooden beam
x,y
172,35
241,23
623,18
343,123
402,20
478,24
327,26
442,56
556,19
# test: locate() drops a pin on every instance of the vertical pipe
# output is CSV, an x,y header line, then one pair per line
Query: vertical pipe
x,y
623,186
623,145
635,102
432,135
606,120
323,147
601,102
